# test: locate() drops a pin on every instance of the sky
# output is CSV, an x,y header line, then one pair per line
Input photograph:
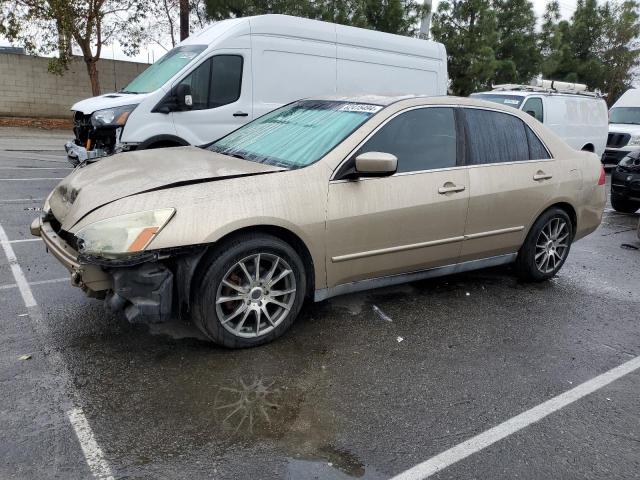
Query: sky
x,y
152,52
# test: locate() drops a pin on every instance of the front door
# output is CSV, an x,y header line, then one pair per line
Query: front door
x,y
412,220
220,95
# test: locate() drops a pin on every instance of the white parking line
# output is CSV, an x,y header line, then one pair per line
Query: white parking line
x,y
36,168
21,200
513,425
23,240
9,286
27,179
91,450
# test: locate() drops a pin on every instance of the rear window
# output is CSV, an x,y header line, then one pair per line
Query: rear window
x,y
496,137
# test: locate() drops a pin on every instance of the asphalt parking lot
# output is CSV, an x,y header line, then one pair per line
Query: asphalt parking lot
x,y
351,391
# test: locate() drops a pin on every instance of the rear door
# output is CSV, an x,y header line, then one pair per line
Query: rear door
x,y
411,220
221,97
511,176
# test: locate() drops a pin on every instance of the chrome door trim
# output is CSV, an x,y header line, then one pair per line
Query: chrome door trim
x,y
491,233
399,248
432,243
371,283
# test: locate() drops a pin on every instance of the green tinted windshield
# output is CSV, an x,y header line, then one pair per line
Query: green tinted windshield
x,y
296,135
157,74
509,100
630,115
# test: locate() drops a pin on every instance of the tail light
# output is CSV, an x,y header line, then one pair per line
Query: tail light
x,y
603,178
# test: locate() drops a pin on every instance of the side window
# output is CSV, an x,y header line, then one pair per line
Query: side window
x,y
198,81
533,106
215,82
422,139
537,151
226,80
495,137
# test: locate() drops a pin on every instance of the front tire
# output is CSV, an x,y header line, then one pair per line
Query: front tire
x,y
621,204
251,292
546,247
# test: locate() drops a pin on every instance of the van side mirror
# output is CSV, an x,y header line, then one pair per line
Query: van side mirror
x,y
376,164
532,113
183,96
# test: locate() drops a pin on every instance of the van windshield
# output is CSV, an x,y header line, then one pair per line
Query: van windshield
x,y
509,100
628,115
157,74
297,134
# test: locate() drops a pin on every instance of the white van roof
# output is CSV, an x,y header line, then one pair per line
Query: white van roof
x,y
286,25
525,90
630,98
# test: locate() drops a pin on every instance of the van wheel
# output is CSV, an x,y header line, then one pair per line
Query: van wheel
x,y
251,292
623,205
546,247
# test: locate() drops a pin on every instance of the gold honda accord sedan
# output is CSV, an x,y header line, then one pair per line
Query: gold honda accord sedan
x,y
321,197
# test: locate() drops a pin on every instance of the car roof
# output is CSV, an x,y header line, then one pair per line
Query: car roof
x,y
414,100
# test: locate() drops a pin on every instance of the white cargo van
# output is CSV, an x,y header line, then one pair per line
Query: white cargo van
x,y
236,70
577,116
624,127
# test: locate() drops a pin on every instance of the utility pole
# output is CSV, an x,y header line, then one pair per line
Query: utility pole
x,y
425,24
184,19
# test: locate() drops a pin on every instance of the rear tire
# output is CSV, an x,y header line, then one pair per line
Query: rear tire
x,y
621,204
236,308
546,247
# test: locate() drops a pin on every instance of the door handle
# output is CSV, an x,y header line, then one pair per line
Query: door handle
x,y
450,188
240,114
541,176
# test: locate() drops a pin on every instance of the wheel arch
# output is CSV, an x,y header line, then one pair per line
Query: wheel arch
x,y
158,141
589,147
562,205
280,232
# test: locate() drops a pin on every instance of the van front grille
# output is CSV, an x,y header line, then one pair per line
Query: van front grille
x,y
617,140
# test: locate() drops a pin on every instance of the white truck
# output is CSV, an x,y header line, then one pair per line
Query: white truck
x,y
624,127
577,116
239,69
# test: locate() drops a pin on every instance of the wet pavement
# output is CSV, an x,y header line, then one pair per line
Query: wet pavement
x,y
339,396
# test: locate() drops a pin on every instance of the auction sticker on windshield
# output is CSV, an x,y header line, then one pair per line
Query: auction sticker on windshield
x,y
360,107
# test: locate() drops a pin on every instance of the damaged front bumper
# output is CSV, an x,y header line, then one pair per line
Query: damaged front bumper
x,y
77,154
142,286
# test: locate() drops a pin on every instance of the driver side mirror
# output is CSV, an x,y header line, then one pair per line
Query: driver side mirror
x,y
183,96
376,164
532,113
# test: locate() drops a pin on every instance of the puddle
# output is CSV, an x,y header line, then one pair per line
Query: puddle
x,y
336,465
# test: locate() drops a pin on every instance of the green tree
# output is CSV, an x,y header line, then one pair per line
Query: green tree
x,y
517,55
468,29
393,16
620,48
48,26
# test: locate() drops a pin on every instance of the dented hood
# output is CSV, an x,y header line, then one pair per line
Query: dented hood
x,y
127,174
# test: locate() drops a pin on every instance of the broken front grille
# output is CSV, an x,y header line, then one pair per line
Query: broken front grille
x,y
617,140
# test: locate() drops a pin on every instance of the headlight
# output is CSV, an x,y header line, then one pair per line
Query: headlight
x,y
46,208
112,117
634,140
122,234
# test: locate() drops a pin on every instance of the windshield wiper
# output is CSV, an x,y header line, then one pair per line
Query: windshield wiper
x,y
128,92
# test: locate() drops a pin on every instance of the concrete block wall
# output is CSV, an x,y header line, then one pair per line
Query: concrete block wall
x,y
27,89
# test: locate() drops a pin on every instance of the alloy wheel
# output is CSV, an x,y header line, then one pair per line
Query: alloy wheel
x,y
256,295
552,245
